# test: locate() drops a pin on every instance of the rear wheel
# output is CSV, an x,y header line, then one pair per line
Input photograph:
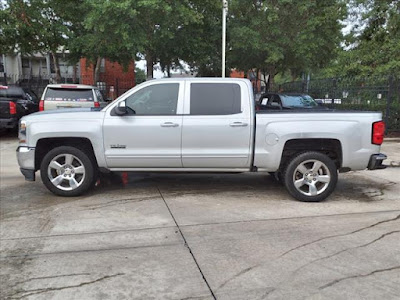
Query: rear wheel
x,y
67,171
311,176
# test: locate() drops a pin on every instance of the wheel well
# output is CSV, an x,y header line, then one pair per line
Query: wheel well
x,y
43,146
330,147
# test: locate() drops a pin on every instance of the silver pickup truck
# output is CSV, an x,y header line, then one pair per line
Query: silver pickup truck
x,y
198,125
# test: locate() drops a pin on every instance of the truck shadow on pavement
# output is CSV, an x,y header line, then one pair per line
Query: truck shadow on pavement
x,y
25,196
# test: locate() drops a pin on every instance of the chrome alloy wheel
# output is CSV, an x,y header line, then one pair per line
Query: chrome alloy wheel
x,y
311,177
66,172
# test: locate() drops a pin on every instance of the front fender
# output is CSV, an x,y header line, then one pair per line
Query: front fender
x,y
90,129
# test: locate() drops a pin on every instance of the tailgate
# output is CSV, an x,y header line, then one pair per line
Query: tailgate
x,y
51,104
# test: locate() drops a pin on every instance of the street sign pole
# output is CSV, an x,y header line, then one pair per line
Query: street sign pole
x,y
224,9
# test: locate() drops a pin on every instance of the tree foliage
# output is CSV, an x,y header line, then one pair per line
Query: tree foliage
x,y
279,35
373,45
272,36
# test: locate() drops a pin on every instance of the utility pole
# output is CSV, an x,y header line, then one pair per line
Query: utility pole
x,y
224,10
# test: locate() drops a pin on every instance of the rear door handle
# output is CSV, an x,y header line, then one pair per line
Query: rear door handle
x,y
238,124
169,124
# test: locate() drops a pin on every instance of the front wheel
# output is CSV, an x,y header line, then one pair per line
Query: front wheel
x,y
67,171
311,176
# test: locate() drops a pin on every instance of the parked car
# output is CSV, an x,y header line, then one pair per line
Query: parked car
x,y
287,101
15,102
57,96
198,125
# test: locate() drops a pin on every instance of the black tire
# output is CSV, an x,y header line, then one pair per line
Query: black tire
x,y
323,189
87,180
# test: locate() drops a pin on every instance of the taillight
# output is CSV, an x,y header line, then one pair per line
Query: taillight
x,y
378,132
97,104
13,108
41,105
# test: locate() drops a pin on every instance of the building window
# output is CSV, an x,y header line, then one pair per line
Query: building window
x,y
26,63
1,64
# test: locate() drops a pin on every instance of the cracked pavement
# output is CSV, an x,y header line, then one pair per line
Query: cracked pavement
x,y
177,236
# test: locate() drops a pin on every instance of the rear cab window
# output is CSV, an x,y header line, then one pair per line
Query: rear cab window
x,y
68,94
12,92
215,99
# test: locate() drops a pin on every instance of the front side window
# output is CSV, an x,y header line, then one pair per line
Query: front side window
x,y
215,99
158,99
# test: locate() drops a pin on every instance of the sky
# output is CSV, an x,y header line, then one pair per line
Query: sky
x,y
157,70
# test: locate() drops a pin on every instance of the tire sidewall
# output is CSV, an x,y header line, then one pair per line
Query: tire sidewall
x,y
293,164
90,171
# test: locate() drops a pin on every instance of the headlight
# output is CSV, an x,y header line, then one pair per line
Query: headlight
x,y
22,132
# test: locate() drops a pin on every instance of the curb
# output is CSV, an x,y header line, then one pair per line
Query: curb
x,y
391,140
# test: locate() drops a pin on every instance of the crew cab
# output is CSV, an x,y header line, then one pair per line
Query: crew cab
x,y
198,125
15,102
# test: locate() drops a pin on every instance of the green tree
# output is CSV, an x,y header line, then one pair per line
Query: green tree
x,y
140,75
280,35
147,28
29,26
373,45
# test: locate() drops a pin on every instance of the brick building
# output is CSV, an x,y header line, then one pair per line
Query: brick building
x,y
250,75
114,80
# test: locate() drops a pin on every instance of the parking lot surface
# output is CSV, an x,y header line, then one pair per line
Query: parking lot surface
x,y
200,236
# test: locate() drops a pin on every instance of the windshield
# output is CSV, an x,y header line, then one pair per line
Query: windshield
x,y
298,101
80,95
11,92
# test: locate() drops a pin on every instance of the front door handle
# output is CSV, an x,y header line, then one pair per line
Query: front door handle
x,y
169,124
238,124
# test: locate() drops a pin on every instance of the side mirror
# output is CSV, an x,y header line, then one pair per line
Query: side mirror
x,y
120,109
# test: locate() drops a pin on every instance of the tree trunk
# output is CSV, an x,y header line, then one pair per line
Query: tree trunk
x,y
169,71
271,77
74,75
149,65
96,77
265,79
56,67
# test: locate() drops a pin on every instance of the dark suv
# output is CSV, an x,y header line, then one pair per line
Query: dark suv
x,y
16,102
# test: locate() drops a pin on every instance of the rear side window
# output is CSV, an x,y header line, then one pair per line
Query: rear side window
x,y
215,99
78,95
99,95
